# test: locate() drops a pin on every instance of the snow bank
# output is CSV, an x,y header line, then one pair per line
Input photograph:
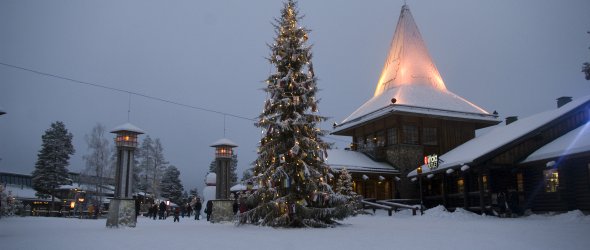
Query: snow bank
x,y
569,217
441,212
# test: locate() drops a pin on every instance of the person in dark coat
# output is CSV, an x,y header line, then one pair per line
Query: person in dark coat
x,y
235,206
189,210
198,206
162,211
154,210
209,209
176,214
137,206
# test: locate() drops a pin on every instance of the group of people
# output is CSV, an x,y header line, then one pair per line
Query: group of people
x,y
161,210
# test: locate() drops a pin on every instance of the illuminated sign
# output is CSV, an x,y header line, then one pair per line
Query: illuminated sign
x,y
431,161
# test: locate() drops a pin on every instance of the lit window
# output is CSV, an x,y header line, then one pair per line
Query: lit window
x,y
391,136
519,182
380,136
485,182
460,185
551,180
429,136
410,134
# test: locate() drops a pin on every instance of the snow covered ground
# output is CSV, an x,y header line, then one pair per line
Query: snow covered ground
x,y
437,229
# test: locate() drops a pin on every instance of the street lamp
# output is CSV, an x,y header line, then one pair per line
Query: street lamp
x,y
419,171
223,154
122,206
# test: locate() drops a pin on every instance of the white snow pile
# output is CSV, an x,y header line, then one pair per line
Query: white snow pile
x,y
571,216
442,213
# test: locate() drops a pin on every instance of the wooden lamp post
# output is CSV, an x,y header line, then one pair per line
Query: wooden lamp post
x,y
222,205
223,158
122,206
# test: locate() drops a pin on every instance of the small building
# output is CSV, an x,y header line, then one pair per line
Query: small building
x,y
541,163
412,113
369,178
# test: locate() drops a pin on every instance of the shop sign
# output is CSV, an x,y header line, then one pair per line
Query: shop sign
x,y
431,161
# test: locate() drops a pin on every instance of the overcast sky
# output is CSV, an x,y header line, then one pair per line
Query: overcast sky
x,y
515,57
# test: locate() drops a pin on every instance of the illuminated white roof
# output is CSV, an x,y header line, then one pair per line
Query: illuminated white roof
x,y
500,136
128,127
574,142
410,79
224,142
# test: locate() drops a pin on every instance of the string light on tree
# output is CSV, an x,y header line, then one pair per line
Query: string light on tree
x,y
294,188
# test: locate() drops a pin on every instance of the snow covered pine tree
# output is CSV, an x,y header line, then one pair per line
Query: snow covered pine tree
x,y
52,161
293,179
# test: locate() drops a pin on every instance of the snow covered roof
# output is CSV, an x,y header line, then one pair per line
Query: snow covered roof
x,y
410,82
224,142
357,162
501,135
574,142
24,193
128,127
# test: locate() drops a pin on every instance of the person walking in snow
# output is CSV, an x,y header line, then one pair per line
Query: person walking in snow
x,y
198,206
209,209
189,209
162,211
176,214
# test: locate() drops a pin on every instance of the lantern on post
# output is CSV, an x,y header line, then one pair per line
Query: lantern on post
x,y
223,157
122,206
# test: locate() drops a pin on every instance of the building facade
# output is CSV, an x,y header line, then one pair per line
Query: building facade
x,y
412,114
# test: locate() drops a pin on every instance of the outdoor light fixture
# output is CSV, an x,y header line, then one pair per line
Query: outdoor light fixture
x,y
465,168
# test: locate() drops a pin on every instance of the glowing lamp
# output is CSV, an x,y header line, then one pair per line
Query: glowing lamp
x,y
126,135
224,148
72,204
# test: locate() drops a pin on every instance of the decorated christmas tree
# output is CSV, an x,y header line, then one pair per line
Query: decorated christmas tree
x,y
292,177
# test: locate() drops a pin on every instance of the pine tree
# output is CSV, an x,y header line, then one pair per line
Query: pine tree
x,y
51,167
194,192
344,187
171,186
246,175
290,169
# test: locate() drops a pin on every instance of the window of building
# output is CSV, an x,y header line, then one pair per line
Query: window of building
x,y
360,142
551,180
380,138
391,136
519,182
485,182
460,185
410,134
429,136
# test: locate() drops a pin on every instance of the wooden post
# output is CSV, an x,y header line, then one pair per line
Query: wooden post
x,y
465,190
444,190
481,191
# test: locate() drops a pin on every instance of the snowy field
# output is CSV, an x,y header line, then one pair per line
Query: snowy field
x,y
437,229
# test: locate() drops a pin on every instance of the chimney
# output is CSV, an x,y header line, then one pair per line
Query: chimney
x,y
563,101
511,119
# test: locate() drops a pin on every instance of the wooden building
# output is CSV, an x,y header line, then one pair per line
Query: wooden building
x,y
369,178
541,163
412,113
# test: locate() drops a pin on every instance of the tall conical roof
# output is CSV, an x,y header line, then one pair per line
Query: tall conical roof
x,y
411,83
408,61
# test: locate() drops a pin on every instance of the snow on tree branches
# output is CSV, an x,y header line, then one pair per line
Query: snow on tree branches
x,y
290,171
